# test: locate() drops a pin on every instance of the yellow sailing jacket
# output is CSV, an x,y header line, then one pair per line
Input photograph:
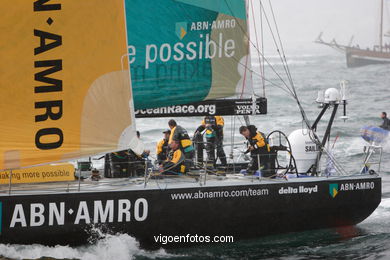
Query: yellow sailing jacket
x,y
178,133
175,161
259,143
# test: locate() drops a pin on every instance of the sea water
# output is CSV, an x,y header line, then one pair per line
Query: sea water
x,y
368,96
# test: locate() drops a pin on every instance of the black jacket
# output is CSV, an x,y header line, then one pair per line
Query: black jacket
x,y
385,124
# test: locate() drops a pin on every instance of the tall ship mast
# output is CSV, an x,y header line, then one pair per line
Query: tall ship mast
x,y
356,56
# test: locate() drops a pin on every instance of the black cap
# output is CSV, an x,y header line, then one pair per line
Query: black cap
x,y
167,131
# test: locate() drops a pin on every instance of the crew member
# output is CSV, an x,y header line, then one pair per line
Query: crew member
x,y
214,138
258,147
162,147
145,154
175,163
386,122
178,133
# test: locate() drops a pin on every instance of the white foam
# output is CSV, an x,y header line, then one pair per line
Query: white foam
x,y
386,145
381,213
353,146
385,203
115,247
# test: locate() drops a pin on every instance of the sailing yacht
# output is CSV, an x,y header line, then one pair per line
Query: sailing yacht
x,y
67,93
357,57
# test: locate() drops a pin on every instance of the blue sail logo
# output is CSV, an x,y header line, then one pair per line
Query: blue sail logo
x,y
333,189
181,30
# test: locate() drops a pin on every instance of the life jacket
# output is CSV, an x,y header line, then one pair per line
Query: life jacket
x,y
176,161
259,141
180,134
162,149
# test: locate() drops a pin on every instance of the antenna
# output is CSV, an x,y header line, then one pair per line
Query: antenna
x,y
343,92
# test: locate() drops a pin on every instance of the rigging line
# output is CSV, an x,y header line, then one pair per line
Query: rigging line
x,y
288,73
246,67
257,40
284,63
284,60
245,33
233,127
262,47
287,68
249,48
258,51
239,119
280,87
337,165
333,159
283,56
244,79
261,54
327,152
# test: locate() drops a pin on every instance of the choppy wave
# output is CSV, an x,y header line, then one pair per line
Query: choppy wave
x,y
111,247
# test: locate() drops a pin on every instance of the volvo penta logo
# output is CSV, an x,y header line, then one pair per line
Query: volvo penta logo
x,y
181,30
333,189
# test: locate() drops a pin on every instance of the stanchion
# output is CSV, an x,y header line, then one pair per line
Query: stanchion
x,y
146,173
258,166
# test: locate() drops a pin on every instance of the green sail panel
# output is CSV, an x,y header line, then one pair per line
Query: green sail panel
x,y
234,8
184,51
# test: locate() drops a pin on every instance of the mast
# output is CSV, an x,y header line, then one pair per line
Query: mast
x,y
249,44
246,117
381,28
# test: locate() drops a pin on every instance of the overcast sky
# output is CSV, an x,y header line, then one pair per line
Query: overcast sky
x,y
300,21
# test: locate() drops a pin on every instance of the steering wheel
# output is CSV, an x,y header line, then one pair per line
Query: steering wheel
x,y
280,145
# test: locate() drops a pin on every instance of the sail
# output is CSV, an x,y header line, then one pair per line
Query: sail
x,y
184,51
64,85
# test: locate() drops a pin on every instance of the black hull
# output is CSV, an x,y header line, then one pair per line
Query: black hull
x,y
260,210
364,58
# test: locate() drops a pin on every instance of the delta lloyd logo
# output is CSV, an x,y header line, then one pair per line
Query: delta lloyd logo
x,y
181,30
333,189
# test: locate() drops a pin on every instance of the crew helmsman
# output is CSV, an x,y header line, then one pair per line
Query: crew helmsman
x,y
257,145
179,134
162,147
214,138
175,163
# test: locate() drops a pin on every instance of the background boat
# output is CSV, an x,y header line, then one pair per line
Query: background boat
x,y
356,56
